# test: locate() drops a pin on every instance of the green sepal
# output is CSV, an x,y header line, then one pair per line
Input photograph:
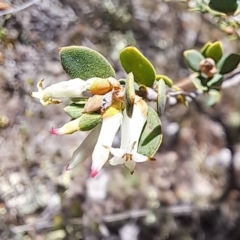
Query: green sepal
x,y
215,81
89,121
162,96
214,51
134,61
84,63
214,96
168,81
74,110
79,100
228,63
151,137
205,48
225,6
129,94
193,59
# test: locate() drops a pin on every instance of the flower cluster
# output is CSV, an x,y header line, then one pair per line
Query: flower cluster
x,y
104,112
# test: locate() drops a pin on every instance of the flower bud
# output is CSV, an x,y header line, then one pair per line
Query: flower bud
x,y
84,123
208,67
100,86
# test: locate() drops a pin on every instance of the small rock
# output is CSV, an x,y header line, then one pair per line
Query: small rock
x,y
129,231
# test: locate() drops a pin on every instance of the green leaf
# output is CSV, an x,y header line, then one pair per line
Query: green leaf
x,y
162,96
214,96
74,110
205,48
134,61
129,94
198,84
168,81
214,51
228,63
84,63
225,6
193,59
89,121
215,81
151,137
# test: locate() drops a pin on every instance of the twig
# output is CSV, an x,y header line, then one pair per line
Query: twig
x,y
39,225
16,9
231,80
126,215
175,210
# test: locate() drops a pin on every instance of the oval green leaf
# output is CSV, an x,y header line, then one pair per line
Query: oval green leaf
x,y
225,6
193,59
198,84
205,48
216,81
151,137
168,81
228,63
89,121
214,96
134,61
74,110
214,51
84,63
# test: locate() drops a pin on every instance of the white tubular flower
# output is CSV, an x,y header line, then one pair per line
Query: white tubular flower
x,y
65,89
110,126
132,127
131,130
85,148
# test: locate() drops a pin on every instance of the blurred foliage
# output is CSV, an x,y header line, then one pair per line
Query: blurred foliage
x,y
3,34
211,65
224,13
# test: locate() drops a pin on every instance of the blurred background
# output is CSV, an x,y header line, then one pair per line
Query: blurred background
x,y
190,192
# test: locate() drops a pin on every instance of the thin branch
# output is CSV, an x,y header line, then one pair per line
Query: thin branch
x,y
42,224
39,225
16,9
230,80
175,210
